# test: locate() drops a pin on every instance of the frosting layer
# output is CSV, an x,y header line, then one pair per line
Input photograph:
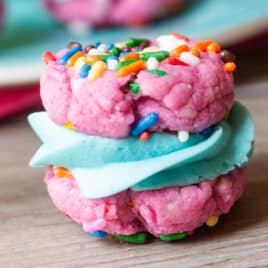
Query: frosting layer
x,y
103,166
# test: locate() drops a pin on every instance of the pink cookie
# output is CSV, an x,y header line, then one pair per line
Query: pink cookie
x,y
142,178
159,212
188,92
110,12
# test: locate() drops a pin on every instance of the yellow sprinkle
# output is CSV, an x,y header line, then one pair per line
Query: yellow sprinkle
x,y
69,125
212,221
92,59
73,59
150,49
79,63
120,44
97,70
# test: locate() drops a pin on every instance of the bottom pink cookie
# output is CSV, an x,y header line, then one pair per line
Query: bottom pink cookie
x,y
160,212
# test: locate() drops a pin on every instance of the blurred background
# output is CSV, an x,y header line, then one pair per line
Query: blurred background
x,y
30,27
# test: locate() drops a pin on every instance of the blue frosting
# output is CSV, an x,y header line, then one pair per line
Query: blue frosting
x,y
104,166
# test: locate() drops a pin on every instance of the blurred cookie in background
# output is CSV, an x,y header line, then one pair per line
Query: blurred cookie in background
x,y
82,15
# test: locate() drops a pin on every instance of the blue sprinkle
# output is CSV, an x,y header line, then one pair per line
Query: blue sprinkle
x,y
144,123
84,70
112,58
208,131
96,44
110,46
98,234
63,60
124,53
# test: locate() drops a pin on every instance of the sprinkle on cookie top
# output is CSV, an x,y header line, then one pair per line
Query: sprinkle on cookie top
x,y
137,54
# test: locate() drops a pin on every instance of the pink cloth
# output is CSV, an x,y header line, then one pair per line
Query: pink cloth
x,y
19,99
164,211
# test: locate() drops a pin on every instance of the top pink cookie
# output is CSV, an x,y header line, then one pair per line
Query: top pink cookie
x,y
126,12
105,90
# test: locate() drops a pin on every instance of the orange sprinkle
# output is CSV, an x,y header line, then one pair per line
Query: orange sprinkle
x,y
144,136
62,172
229,67
73,59
131,56
178,50
132,68
202,45
214,47
91,59
195,52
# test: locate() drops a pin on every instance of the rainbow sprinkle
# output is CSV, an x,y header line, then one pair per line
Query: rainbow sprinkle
x,y
137,54
145,123
64,59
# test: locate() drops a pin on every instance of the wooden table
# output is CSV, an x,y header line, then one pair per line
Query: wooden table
x,y
34,234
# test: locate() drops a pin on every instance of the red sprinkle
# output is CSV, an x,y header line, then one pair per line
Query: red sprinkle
x,y
180,36
175,61
47,57
144,136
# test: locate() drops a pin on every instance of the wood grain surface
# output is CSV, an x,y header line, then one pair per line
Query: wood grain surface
x,y
34,234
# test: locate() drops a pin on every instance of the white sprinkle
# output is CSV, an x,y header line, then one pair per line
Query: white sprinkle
x,y
183,136
170,206
169,42
152,63
102,48
189,58
93,52
79,63
151,49
112,64
120,44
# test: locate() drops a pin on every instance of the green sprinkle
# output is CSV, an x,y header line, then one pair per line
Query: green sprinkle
x,y
104,57
172,237
156,71
159,55
133,42
134,88
124,63
138,238
115,51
